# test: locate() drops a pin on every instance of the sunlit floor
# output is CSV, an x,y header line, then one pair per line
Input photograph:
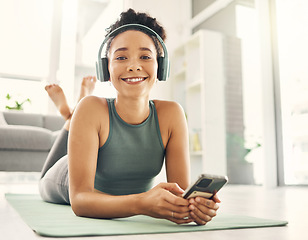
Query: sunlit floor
x,y
283,203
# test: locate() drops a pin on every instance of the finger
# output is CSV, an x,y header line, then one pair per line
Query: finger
x,y
170,197
216,199
181,221
204,208
176,209
203,211
197,219
180,218
177,201
172,187
202,214
206,202
180,215
172,212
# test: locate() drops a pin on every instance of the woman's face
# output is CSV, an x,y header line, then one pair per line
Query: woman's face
x,y
132,63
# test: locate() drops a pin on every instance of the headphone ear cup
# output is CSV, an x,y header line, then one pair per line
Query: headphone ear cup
x,y
159,68
105,72
163,68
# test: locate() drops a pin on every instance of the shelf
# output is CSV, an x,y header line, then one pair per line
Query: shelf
x,y
195,41
194,85
197,75
179,50
196,153
180,75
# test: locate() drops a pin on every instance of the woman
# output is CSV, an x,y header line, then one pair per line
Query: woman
x,y
117,146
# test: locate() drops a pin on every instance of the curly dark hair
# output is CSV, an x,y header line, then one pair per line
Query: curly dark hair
x,y
129,17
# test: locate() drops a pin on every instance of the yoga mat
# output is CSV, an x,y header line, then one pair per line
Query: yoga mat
x,y
56,220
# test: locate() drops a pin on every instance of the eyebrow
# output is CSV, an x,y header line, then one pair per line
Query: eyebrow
x,y
125,49
145,49
121,49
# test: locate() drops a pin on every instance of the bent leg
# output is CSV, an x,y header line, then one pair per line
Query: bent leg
x,y
87,86
58,150
54,186
57,95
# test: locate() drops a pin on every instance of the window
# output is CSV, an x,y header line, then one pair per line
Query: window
x,y
25,49
51,41
247,31
25,38
292,31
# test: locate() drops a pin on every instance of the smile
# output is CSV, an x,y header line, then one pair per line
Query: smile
x,y
134,80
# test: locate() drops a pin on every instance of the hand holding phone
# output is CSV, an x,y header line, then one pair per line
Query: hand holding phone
x,y
206,186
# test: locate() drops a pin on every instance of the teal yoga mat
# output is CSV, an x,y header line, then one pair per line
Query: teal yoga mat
x,y
55,220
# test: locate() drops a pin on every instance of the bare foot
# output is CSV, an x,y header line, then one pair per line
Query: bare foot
x,y
56,94
87,86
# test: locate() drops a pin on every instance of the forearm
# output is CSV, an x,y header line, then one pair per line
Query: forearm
x,y
159,202
100,205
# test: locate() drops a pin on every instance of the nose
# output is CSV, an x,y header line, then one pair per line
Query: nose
x,y
134,66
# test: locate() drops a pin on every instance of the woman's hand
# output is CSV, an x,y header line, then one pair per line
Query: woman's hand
x,y
164,201
202,210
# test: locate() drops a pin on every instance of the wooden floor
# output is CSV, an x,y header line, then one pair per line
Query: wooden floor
x,y
283,203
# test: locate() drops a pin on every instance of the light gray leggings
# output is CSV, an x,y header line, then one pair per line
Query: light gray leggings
x,y
53,185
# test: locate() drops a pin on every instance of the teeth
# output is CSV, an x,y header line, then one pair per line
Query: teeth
x,y
133,79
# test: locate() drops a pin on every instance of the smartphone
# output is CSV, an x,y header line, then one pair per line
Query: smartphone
x,y
206,186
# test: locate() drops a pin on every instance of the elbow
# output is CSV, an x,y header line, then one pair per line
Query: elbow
x,y
77,211
79,205
83,205
77,208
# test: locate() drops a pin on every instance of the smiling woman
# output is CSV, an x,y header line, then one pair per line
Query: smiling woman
x,y
117,146
132,62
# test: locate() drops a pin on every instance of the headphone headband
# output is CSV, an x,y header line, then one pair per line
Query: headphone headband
x,y
163,62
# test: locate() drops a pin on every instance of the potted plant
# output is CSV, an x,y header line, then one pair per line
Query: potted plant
x,y
240,171
18,105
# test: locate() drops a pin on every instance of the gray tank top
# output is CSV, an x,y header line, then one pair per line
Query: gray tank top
x,y
132,155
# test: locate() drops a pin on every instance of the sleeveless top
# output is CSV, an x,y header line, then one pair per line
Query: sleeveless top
x,y
132,155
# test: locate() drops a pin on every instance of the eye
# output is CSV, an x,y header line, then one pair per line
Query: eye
x,y
146,57
120,58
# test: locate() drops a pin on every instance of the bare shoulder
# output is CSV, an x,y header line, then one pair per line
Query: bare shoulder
x,y
92,107
170,114
169,108
91,118
92,102
172,121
